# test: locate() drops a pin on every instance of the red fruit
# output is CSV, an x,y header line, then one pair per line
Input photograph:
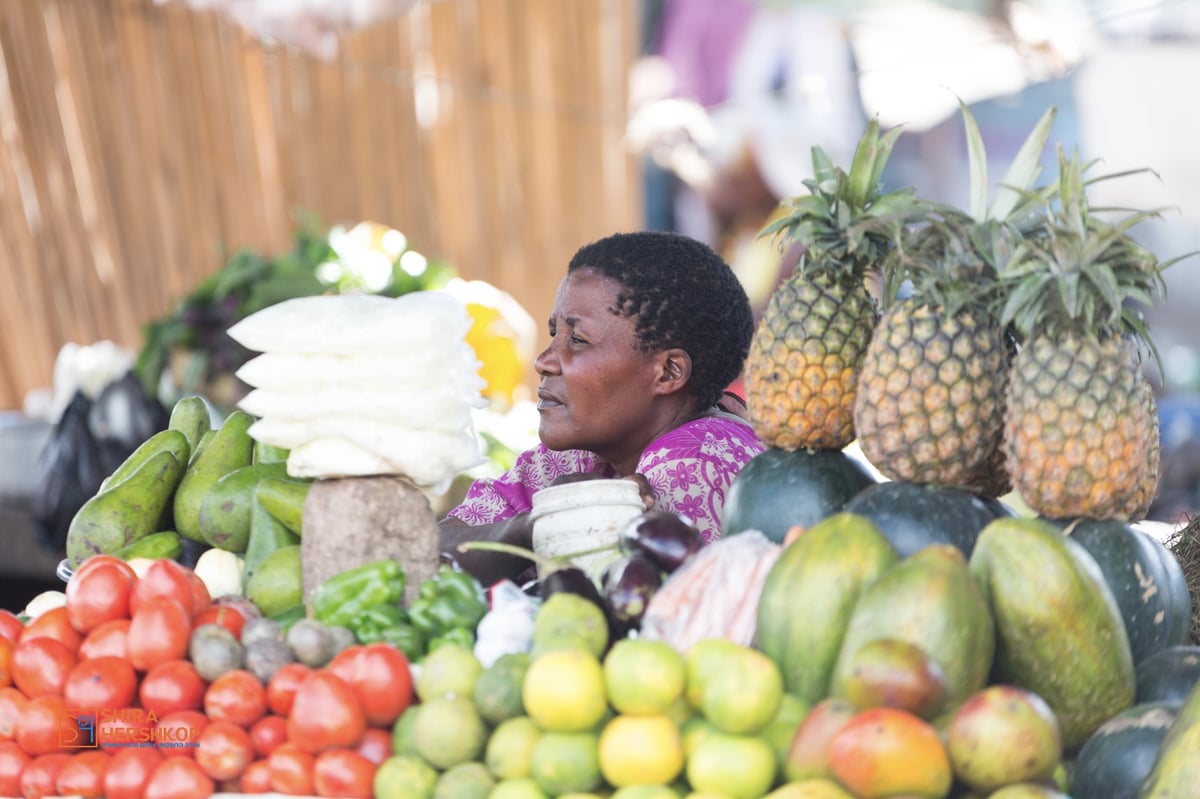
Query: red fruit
x,y
165,578
54,624
179,778
171,686
326,714
257,777
158,632
84,774
236,696
270,731
43,726
130,771
176,734
99,592
40,666
381,678
40,777
100,683
344,773
291,770
224,751
109,638
281,689
13,760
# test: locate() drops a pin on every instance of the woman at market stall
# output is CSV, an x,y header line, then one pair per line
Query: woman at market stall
x,y
647,332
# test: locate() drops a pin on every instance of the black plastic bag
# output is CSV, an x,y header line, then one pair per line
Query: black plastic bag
x,y
91,439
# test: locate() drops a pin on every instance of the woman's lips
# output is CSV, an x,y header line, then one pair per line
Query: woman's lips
x,y
546,401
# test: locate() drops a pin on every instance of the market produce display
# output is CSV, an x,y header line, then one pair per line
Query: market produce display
x,y
847,637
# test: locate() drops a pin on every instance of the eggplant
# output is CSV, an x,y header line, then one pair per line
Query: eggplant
x,y
663,537
629,585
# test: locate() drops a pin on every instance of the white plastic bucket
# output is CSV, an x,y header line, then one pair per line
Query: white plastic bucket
x,y
574,517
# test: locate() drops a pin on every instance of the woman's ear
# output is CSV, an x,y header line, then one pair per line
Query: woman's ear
x,y
676,371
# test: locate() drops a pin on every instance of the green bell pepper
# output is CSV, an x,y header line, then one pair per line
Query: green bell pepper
x,y
449,600
338,600
368,626
458,635
407,639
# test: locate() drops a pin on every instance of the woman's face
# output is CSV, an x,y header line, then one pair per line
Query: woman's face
x,y
598,391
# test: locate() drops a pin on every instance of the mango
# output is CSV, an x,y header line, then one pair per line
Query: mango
x,y
1004,735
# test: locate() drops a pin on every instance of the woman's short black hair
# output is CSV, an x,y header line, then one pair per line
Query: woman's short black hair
x,y
681,294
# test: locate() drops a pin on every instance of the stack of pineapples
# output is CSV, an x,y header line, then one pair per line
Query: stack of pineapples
x,y
1009,350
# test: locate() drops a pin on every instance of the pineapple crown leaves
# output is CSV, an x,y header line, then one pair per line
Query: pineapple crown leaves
x,y
953,257
846,223
1085,276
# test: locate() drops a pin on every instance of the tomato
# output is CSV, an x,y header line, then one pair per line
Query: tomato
x,y
257,777
40,777
54,624
380,676
376,745
104,682
236,696
101,559
11,625
177,778
6,650
228,617
129,772
158,632
84,775
270,731
343,772
201,599
170,686
177,733
43,726
164,578
110,638
13,760
281,688
40,666
99,593
325,714
12,702
225,750
291,770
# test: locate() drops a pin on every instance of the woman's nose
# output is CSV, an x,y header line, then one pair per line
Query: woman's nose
x,y
545,362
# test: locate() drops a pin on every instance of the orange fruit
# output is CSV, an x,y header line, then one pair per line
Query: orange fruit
x,y
886,752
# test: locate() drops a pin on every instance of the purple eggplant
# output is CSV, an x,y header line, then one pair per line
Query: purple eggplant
x,y
629,585
663,537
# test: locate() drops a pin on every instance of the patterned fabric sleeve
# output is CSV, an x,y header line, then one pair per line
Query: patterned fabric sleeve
x,y
691,467
494,500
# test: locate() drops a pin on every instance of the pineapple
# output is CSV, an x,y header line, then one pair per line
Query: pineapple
x,y
930,404
803,364
1081,434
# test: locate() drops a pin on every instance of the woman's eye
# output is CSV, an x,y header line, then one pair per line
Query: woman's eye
x,y
577,340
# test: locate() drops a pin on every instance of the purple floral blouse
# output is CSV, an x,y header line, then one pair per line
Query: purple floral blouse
x,y
690,469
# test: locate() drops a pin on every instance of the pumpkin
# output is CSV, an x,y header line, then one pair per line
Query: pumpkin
x,y
779,489
914,516
1146,590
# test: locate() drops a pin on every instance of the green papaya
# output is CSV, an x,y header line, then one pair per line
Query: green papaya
x,y
230,447
163,544
931,601
163,441
284,499
810,593
125,512
267,534
1059,632
224,520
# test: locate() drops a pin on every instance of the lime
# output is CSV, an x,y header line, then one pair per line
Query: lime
x,y
402,732
404,777
571,620
744,694
780,730
509,752
643,677
498,689
738,766
810,789
702,661
644,792
448,732
524,788
640,750
694,730
448,671
566,761
564,691
464,781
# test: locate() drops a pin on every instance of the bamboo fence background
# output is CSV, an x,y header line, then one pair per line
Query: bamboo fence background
x,y
140,145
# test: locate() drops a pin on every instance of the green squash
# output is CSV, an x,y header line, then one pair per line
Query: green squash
x,y
915,516
1115,761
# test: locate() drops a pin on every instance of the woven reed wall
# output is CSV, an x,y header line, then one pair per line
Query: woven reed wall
x,y
140,145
